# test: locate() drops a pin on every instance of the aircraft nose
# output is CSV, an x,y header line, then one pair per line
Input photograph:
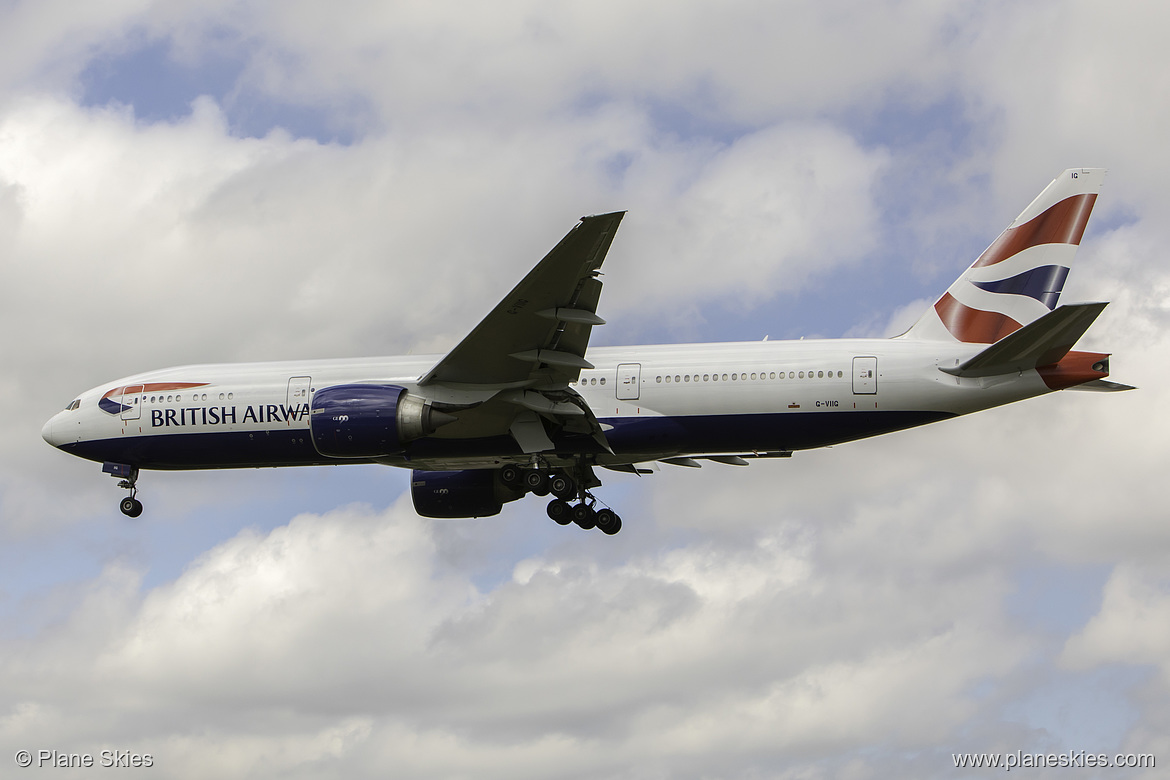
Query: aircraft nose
x,y
48,434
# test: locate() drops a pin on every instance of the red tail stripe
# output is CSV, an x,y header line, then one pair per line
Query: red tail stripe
x,y
973,326
1063,223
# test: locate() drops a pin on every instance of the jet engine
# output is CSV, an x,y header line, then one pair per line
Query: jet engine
x,y
469,493
365,421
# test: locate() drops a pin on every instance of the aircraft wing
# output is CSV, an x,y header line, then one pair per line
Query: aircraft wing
x,y
537,335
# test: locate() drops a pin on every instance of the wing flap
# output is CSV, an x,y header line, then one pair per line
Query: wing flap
x,y
529,432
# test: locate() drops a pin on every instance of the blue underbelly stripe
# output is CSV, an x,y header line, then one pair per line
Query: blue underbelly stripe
x,y
631,436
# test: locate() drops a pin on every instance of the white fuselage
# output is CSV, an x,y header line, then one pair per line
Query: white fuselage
x,y
653,401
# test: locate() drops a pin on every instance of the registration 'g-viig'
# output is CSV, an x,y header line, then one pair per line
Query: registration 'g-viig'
x,y
522,405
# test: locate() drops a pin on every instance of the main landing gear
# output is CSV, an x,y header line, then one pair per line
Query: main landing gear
x,y
130,506
572,502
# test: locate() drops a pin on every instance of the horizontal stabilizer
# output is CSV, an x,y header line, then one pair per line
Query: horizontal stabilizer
x,y
1102,386
1040,343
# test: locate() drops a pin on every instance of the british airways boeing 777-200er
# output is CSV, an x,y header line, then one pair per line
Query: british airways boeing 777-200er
x,y
522,405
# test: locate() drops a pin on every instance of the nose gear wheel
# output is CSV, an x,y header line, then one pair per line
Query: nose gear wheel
x,y
130,506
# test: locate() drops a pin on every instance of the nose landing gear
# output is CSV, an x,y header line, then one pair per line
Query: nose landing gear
x,y
130,506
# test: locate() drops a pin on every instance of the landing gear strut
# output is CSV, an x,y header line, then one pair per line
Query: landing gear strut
x,y
130,506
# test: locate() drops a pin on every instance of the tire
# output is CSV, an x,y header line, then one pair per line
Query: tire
x,y
511,476
131,507
562,486
560,512
608,521
534,478
583,516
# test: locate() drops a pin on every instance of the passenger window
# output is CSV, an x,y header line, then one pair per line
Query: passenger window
x,y
603,380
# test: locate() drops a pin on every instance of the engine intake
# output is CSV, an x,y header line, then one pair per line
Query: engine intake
x,y
364,421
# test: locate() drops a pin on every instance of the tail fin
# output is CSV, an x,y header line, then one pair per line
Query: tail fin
x,y
1018,279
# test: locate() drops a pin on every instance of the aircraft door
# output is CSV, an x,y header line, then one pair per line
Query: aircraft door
x,y
132,402
629,377
864,375
298,400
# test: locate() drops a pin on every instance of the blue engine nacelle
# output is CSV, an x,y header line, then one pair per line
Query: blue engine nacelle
x,y
365,421
470,493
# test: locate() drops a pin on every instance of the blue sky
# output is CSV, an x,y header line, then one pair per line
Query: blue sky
x,y
243,181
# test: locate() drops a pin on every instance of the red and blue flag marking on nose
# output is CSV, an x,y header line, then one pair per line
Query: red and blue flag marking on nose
x,y
110,403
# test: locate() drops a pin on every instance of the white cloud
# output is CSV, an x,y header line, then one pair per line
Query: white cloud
x,y
1069,84
319,640
1132,627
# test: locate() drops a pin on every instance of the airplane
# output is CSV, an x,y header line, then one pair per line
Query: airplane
x,y
521,405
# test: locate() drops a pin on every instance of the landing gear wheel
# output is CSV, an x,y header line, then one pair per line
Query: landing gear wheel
x,y
562,486
536,481
608,521
583,516
511,475
131,507
560,511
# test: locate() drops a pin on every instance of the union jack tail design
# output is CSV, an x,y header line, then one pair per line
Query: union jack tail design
x,y
1018,279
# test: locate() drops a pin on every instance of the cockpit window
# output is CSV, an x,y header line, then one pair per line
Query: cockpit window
x,y
76,403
